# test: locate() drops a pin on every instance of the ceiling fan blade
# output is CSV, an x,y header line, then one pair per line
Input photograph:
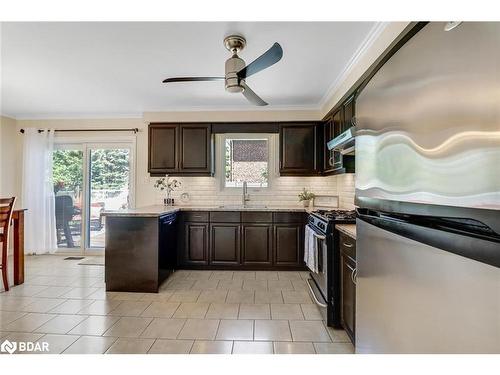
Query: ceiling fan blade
x,y
251,96
268,58
192,79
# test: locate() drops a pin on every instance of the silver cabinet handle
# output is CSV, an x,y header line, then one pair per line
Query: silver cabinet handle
x,y
353,276
346,244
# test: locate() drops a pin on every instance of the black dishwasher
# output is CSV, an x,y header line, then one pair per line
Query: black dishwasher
x,y
167,245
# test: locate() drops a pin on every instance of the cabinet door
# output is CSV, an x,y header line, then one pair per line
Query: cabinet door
x,y
348,107
163,152
195,244
225,244
298,149
338,119
288,245
328,131
348,295
195,152
257,244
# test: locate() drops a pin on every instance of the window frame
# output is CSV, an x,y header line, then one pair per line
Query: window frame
x,y
220,141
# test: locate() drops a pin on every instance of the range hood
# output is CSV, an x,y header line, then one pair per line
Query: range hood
x,y
344,143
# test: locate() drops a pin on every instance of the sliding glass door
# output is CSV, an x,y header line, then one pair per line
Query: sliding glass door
x,y
109,188
68,189
90,178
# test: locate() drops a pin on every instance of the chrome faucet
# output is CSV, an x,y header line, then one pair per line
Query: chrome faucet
x,y
245,197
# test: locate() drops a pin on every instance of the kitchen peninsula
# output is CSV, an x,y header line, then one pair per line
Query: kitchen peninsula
x,y
144,245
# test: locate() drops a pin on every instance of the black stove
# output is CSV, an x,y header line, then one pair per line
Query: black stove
x,y
336,215
324,283
324,220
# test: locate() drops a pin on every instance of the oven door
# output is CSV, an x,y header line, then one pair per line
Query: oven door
x,y
318,285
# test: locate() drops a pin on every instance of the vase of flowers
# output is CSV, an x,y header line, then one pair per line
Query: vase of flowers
x,y
305,197
167,185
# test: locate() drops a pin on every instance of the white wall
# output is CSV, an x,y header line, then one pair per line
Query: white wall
x,y
10,163
10,158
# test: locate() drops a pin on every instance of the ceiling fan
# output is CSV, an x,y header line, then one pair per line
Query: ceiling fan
x,y
237,72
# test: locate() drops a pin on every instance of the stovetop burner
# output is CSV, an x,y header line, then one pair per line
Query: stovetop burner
x,y
336,214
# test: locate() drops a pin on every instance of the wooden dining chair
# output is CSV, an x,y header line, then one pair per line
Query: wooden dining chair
x,y
6,207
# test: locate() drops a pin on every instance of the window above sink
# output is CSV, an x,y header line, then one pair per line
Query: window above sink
x,y
246,157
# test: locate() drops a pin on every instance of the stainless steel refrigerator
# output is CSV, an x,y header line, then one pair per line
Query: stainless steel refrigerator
x,y
428,192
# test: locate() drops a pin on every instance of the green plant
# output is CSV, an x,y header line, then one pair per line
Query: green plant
x,y
306,195
265,174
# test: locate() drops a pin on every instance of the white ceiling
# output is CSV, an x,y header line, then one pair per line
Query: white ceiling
x,y
94,69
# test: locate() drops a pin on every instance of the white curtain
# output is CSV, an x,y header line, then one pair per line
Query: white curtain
x,y
38,192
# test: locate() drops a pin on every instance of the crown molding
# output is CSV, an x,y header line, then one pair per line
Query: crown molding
x,y
95,116
360,52
77,116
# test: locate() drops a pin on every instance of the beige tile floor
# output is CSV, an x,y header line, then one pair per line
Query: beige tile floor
x,y
240,312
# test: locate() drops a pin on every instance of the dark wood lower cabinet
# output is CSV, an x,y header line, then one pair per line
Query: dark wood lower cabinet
x,y
257,244
195,245
288,244
246,240
225,244
348,295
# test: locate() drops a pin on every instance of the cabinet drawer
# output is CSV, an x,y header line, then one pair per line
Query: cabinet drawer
x,y
347,245
195,216
256,217
288,217
225,217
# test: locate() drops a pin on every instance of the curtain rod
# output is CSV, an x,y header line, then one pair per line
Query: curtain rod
x,y
135,130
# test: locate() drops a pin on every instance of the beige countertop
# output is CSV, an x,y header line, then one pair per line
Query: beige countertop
x,y
157,210
347,229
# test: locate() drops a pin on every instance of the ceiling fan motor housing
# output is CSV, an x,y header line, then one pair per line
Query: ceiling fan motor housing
x,y
233,66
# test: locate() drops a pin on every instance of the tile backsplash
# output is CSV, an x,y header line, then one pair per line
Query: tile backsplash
x,y
283,192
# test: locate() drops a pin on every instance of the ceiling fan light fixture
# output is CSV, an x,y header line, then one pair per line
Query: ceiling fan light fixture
x,y
234,43
237,71
233,66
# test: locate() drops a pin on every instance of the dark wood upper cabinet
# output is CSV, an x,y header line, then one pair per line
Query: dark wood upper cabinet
x,y
337,121
225,244
195,148
328,156
257,244
163,148
299,152
348,109
180,149
341,119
